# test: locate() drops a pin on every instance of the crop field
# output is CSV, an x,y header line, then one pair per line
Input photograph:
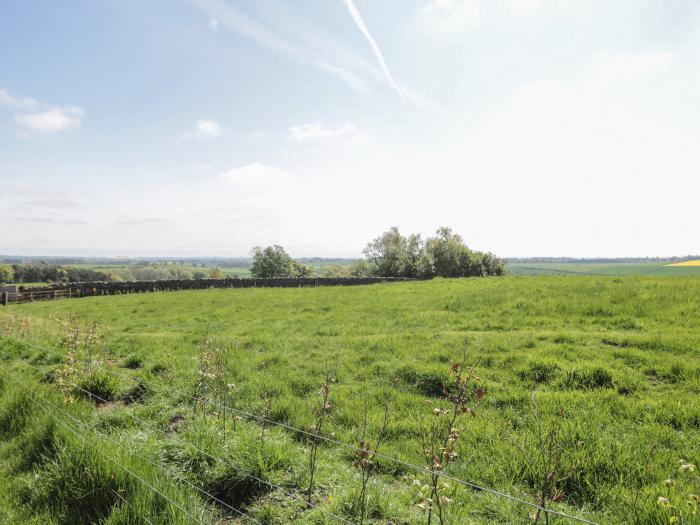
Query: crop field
x,y
611,269
686,264
581,394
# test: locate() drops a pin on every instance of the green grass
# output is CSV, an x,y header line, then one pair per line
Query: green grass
x,y
614,269
612,364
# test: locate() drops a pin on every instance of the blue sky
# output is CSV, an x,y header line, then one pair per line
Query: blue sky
x,y
205,127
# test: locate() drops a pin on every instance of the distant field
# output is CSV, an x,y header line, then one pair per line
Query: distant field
x,y
123,268
661,269
612,363
229,271
686,264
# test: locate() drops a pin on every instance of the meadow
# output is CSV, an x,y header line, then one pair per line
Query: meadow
x,y
582,397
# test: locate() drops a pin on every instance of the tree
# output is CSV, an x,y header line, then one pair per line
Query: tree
x,y
274,262
336,270
360,268
299,271
445,255
450,256
6,274
493,265
393,255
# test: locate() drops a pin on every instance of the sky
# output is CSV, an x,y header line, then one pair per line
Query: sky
x,y
207,127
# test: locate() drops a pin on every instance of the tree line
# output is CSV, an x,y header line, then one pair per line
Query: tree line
x,y
54,273
391,255
42,273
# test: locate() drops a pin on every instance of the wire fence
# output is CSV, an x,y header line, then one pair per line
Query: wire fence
x,y
126,502
417,468
210,456
45,407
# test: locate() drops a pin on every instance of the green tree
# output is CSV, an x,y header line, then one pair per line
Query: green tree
x,y
274,262
6,274
393,255
299,271
450,256
336,270
444,255
360,268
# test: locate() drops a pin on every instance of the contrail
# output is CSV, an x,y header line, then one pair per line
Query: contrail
x,y
377,52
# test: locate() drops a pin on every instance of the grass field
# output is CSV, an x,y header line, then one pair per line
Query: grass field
x,y
611,269
590,386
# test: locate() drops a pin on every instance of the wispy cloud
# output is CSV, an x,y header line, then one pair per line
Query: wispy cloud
x,y
7,100
249,27
51,121
204,129
375,47
36,117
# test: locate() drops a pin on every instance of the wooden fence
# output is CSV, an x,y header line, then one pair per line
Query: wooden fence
x,y
21,294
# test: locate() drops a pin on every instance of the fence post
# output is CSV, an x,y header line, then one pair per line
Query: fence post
x,y
5,298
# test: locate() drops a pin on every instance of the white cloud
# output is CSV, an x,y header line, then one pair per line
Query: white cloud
x,y
213,23
26,103
248,27
5,98
204,129
37,118
318,133
52,120
256,175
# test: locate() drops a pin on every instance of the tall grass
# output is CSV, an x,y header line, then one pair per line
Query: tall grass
x,y
66,473
619,356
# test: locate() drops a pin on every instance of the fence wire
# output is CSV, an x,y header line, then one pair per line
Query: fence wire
x,y
210,456
469,484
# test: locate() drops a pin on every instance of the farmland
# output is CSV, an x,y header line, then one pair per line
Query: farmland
x,y
601,373
605,268
686,264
